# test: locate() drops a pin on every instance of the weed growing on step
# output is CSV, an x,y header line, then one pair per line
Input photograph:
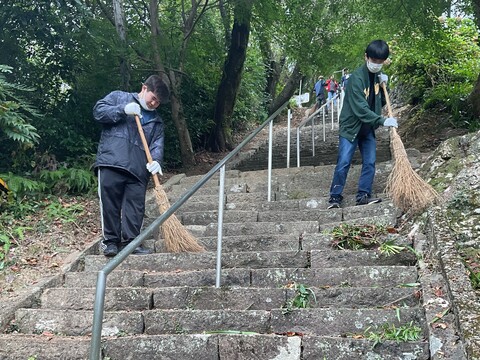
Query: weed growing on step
x,y
357,237
302,299
404,333
365,237
389,248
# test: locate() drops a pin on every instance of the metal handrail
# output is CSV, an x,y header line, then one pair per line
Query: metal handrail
x,y
311,119
148,231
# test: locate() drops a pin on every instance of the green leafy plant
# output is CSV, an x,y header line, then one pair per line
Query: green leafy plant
x,y
69,180
16,112
19,186
63,212
404,333
388,248
439,69
302,299
5,245
356,237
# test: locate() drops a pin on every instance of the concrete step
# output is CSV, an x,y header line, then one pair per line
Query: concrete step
x,y
231,298
352,276
206,260
319,321
209,347
252,228
44,346
258,259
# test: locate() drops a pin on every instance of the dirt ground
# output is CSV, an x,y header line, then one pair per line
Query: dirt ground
x,y
48,244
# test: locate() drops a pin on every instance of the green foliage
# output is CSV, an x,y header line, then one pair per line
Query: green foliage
x,y
20,186
5,245
388,248
357,236
69,180
404,333
302,299
439,70
16,113
63,212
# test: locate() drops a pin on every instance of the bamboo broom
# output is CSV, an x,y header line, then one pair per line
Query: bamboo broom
x,y
176,237
406,188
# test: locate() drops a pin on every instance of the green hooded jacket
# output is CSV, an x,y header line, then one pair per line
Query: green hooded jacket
x,y
355,110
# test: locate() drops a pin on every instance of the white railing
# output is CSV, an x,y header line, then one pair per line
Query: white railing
x,y
337,101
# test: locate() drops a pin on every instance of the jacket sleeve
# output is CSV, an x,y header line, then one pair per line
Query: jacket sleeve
x,y
110,109
359,104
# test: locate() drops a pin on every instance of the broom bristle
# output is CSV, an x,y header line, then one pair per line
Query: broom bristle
x,y
407,189
176,237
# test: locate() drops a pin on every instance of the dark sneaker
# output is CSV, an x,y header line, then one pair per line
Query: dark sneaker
x,y
367,200
110,250
139,250
334,202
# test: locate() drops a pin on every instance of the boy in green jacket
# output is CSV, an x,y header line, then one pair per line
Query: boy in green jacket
x,y
360,116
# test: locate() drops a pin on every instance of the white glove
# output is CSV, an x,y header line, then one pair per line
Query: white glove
x,y
391,121
132,109
383,78
154,167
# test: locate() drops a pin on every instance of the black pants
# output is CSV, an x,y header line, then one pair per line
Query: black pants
x,y
122,205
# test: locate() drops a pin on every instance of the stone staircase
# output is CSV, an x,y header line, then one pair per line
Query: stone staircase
x,y
325,151
166,306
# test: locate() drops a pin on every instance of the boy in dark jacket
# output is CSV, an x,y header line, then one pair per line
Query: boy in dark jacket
x,y
121,163
360,116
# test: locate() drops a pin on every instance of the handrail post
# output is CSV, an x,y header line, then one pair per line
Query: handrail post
x,y
323,124
221,196
98,316
289,117
313,136
298,146
270,151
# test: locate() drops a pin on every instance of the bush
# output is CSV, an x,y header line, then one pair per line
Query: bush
x,y
439,69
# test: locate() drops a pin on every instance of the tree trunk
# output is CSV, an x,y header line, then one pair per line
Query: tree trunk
x,y
119,18
221,139
288,90
186,149
273,70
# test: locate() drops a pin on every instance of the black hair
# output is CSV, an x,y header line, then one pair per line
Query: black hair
x,y
155,84
377,49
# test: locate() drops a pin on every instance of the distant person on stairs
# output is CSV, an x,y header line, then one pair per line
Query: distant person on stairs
x,y
360,116
121,164
319,89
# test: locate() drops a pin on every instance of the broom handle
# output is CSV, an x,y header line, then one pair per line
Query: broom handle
x,y
147,150
387,99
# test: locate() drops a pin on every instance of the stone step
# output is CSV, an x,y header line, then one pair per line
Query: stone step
x,y
313,321
45,346
353,276
275,242
231,298
205,260
261,242
258,202
210,347
258,259
239,228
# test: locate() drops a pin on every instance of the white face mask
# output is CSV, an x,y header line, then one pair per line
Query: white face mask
x,y
143,103
374,68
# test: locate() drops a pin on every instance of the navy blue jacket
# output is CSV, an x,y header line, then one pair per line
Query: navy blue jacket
x,y
120,144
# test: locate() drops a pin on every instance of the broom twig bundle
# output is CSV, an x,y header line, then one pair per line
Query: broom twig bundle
x,y
406,188
175,236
